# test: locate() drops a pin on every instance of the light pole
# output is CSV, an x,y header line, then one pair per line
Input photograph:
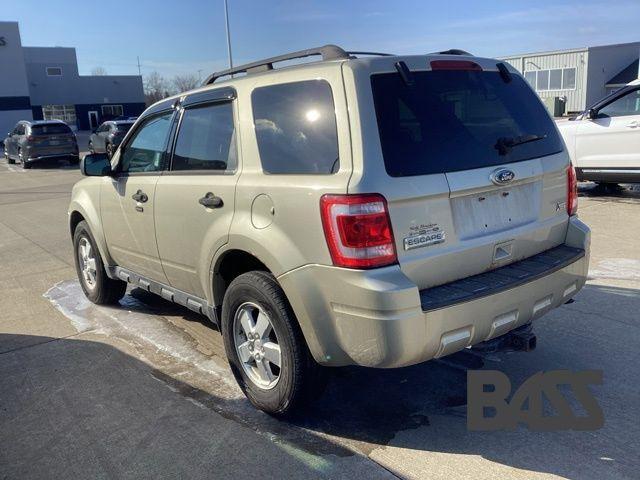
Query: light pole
x,y
226,19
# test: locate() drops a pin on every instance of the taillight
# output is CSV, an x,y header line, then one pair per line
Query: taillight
x,y
572,191
30,138
455,65
358,230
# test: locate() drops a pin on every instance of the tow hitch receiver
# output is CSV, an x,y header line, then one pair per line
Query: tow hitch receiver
x,y
520,339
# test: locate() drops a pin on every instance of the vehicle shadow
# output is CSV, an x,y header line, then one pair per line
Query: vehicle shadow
x,y
604,191
74,408
420,411
53,164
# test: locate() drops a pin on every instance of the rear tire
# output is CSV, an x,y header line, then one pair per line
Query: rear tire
x,y
299,377
25,164
109,150
90,148
95,283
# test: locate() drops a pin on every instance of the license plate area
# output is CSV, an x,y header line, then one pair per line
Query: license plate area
x,y
496,210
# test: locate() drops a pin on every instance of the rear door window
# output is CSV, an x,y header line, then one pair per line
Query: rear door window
x,y
295,126
206,139
451,120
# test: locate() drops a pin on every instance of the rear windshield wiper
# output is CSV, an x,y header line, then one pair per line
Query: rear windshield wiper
x,y
505,144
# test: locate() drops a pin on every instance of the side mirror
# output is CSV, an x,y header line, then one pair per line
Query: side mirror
x,y
592,114
95,165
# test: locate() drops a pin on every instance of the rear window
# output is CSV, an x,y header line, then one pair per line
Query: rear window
x,y
123,127
296,128
49,129
452,120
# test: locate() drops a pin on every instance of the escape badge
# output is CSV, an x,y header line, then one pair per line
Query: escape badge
x,y
423,236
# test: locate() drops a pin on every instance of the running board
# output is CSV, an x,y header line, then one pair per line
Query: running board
x,y
196,304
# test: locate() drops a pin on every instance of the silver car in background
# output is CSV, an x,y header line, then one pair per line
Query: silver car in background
x,y
33,141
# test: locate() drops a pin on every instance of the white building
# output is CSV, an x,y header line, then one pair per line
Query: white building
x,y
582,75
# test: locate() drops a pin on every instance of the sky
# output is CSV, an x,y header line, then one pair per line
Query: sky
x,y
188,36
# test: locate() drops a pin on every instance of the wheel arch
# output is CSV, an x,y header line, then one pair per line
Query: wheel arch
x,y
78,213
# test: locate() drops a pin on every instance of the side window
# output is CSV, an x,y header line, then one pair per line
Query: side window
x,y
19,130
206,139
295,126
146,150
628,104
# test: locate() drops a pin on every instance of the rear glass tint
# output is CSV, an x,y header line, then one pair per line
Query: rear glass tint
x,y
123,127
451,120
49,129
296,128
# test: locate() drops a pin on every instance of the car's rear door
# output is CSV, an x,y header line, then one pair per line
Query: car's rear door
x,y
612,139
473,168
195,198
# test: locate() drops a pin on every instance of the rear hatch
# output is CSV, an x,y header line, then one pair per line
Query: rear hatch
x,y
51,135
476,172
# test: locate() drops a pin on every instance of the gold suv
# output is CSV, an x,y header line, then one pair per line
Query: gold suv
x,y
364,209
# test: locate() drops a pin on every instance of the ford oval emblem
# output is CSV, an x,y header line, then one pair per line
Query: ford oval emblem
x,y
502,176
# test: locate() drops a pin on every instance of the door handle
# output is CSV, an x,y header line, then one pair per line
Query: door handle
x,y
140,196
634,124
211,201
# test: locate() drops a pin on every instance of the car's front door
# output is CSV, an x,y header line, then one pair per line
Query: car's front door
x,y
128,199
612,139
195,198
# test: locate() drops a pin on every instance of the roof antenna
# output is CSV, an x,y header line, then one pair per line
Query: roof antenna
x,y
405,73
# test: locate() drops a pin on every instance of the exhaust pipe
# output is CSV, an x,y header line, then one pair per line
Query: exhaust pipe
x,y
521,339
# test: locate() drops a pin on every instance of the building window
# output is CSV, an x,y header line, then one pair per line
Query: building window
x,y
555,79
54,71
568,78
543,79
531,78
66,113
112,111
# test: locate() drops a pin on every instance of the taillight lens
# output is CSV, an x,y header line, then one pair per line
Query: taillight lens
x,y
358,230
30,138
572,191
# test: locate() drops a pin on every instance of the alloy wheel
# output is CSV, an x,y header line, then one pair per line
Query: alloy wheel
x,y
87,260
257,345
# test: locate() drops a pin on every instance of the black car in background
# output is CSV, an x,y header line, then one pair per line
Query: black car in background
x,y
107,137
32,141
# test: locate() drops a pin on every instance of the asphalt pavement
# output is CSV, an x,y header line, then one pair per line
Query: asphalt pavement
x,y
143,390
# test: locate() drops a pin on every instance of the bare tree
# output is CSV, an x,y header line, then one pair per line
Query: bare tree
x,y
182,83
156,88
98,71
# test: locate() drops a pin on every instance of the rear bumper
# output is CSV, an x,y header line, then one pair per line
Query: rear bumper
x,y
377,318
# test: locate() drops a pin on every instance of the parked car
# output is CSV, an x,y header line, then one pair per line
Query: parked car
x,y
604,140
377,211
107,137
33,141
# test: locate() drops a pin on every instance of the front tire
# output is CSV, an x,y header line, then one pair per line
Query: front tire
x,y
10,160
265,347
96,285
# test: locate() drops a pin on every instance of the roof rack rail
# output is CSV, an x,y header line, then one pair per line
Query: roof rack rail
x,y
328,52
375,54
454,51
